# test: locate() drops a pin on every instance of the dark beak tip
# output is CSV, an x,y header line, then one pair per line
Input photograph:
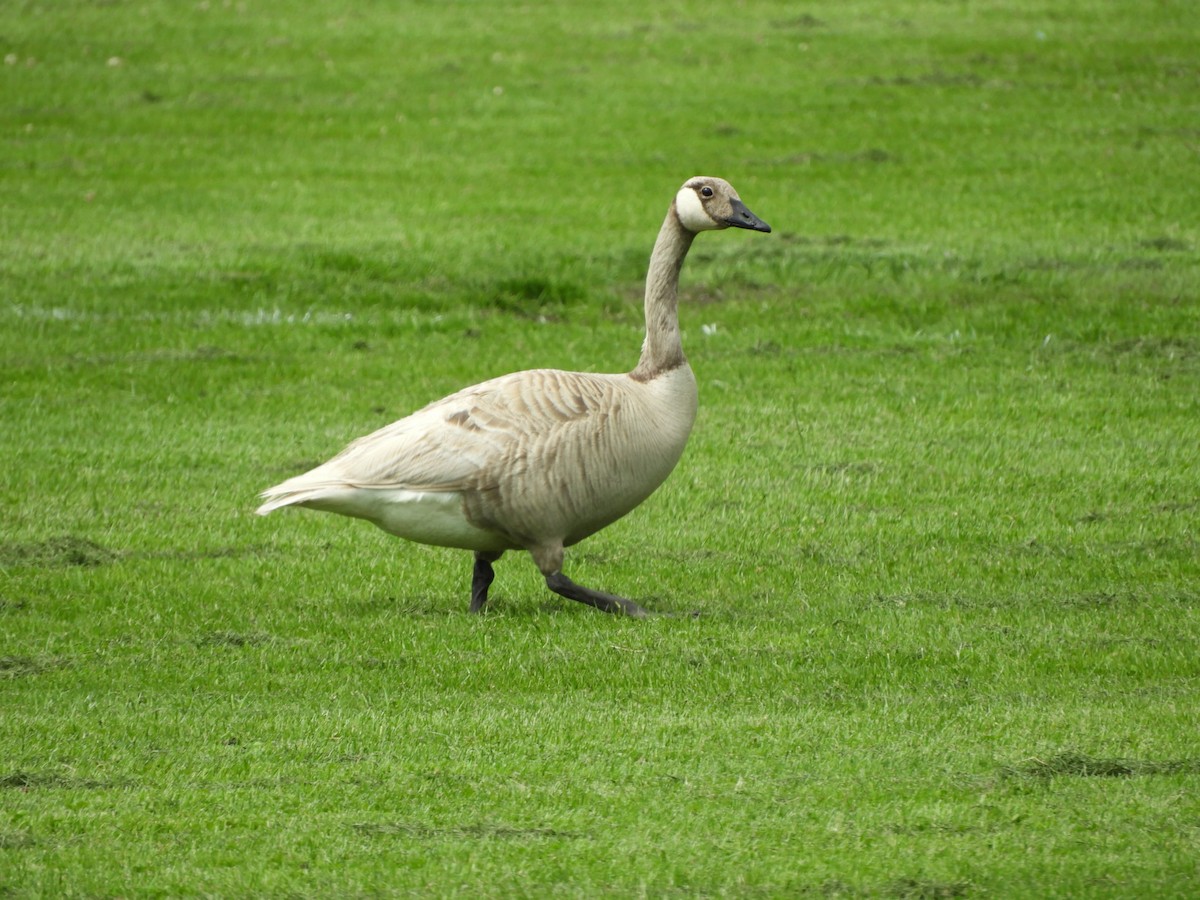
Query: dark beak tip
x,y
754,223
743,218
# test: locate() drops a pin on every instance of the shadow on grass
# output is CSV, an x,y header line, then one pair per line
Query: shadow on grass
x,y
918,889
20,666
65,551
504,832
27,781
16,840
1081,765
234,639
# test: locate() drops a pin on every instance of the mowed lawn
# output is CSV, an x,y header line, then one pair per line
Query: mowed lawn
x,y
938,515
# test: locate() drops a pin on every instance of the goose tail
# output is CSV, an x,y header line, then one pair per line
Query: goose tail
x,y
280,496
299,491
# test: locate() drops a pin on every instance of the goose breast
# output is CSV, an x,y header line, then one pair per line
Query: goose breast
x,y
607,444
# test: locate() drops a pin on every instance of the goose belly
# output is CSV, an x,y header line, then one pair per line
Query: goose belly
x,y
426,517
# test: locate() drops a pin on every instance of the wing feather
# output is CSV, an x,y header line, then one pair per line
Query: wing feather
x,y
465,441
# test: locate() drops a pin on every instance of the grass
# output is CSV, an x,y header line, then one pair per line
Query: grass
x,y
939,512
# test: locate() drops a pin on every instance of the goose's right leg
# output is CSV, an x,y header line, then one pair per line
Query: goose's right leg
x,y
549,560
481,580
610,603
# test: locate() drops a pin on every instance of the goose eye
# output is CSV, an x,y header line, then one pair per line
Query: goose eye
x,y
706,191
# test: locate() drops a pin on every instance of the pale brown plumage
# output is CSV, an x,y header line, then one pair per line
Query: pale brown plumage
x,y
540,459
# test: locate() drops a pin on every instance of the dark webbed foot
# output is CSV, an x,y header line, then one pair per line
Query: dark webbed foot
x,y
610,603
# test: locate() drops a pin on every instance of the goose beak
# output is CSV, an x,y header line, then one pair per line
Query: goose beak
x,y
740,217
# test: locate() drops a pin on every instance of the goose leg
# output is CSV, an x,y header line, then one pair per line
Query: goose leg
x,y
549,560
610,603
481,580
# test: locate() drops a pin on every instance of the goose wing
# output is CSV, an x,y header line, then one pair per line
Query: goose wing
x,y
466,441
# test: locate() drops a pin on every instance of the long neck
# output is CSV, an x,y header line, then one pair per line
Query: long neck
x,y
663,348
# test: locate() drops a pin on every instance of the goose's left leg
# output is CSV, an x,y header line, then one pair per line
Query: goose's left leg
x,y
549,560
481,580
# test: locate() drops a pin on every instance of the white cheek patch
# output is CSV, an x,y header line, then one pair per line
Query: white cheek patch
x,y
691,211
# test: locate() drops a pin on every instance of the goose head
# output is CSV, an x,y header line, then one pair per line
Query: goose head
x,y
705,203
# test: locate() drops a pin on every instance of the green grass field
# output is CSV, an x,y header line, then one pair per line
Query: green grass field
x,y
939,513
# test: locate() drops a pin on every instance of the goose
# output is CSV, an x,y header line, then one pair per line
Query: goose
x,y
536,460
